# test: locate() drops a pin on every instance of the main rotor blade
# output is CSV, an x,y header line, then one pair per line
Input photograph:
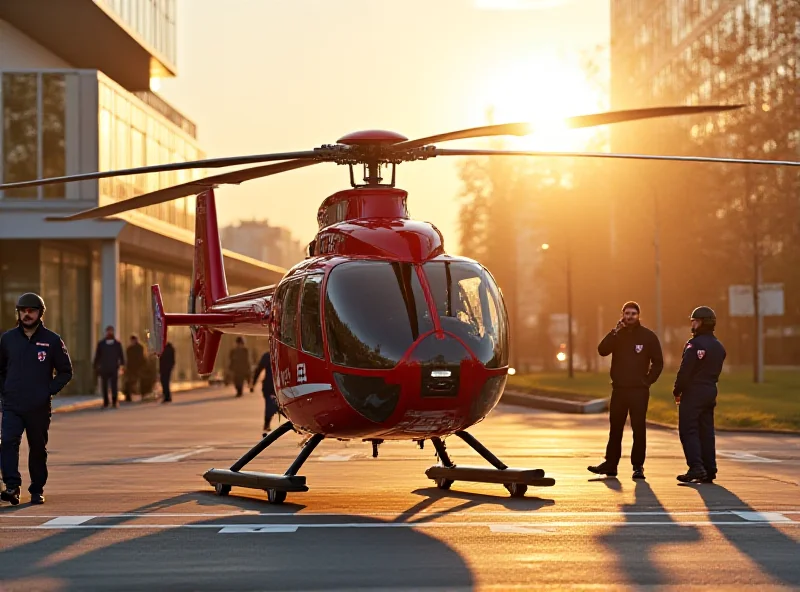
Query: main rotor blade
x,y
579,121
446,152
190,188
210,163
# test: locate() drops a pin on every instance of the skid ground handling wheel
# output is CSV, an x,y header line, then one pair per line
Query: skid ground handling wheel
x,y
516,481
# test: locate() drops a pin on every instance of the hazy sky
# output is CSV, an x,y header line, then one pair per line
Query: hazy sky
x,y
280,75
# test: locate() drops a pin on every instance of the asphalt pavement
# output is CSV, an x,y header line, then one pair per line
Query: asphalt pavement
x,y
128,509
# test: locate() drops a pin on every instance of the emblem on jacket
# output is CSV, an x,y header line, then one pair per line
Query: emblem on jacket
x,y
639,349
41,355
700,354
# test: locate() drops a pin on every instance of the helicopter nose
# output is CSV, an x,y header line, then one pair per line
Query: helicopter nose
x,y
444,363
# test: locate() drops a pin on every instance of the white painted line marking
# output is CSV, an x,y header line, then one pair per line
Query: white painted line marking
x,y
339,457
249,529
173,456
541,515
68,520
740,456
516,529
764,516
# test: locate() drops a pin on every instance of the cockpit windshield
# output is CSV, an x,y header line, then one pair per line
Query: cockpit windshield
x,y
374,311
469,306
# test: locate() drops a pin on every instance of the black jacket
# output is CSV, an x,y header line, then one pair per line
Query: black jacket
x,y
636,358
268,386
166,362
27,367
108,357
701,364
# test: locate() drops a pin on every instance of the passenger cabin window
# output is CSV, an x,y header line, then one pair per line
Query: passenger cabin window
x,y
310,317
288,333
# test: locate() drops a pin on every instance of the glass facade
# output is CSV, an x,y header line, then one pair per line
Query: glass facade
x,y
135,315
152,20
33,135
132,134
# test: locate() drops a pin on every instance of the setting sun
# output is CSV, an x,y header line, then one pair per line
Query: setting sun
x,y
543,90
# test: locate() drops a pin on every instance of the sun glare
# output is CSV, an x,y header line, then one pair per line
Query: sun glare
x,y
543,91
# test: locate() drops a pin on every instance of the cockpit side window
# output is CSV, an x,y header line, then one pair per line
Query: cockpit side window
x,y
311,317
288,331
468,304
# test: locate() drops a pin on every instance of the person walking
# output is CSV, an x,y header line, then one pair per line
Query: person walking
x,y
636,363
239,365
135,367
268,390
34,367
695,393
166,363
108,359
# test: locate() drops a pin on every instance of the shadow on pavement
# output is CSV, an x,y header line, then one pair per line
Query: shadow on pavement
x,y
777,554
636,548
472,500
204,557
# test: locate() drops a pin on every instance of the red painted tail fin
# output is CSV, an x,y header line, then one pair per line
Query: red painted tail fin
x,y
208,286
208,280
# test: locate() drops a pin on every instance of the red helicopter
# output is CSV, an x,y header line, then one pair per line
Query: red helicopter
x,y
378,334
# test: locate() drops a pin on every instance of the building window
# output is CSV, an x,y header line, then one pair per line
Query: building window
x,y
33,132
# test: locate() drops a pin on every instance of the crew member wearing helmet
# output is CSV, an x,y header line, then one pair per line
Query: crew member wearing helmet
x,y
34,367
696,395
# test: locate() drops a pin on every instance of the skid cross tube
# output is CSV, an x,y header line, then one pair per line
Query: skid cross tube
x,y
481,449
441,451
304,454
261,446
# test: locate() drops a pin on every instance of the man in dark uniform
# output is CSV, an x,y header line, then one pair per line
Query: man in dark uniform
x,y
268,390
165,365
108,359
30,355
636,363
696,396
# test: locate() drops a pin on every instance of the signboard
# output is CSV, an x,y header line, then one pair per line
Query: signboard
x,y
740,300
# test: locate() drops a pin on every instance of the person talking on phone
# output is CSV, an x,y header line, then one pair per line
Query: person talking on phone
x,y
636,364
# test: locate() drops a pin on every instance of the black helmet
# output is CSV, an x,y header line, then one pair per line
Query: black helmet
x,y
31,300
706,315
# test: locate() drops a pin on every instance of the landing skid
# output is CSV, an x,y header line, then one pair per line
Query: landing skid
x,y
275,485
516,481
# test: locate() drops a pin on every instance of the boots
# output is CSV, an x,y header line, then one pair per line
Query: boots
x,y
693,474
604,468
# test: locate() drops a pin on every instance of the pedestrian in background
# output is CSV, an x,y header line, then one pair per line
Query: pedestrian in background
x,y
108,359
34,367
695,393
636,363
239,365
134,368
165,365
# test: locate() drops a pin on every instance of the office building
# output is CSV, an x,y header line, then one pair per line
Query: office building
x,y
744,52
75,96
259,240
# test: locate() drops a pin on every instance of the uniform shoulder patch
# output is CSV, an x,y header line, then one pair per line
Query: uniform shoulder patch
x,y
689,345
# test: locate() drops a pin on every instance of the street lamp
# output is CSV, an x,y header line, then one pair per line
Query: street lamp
x,y
570,369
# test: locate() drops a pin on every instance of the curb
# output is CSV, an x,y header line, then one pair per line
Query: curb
x,y
553,404
78,406
742,431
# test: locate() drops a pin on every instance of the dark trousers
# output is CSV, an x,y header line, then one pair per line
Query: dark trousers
x,y
106,381
625,401
696,429
270,408
238,382
35,423
165,378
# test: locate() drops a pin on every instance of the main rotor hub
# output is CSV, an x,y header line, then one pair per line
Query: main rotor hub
x,y
373,149
378,137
